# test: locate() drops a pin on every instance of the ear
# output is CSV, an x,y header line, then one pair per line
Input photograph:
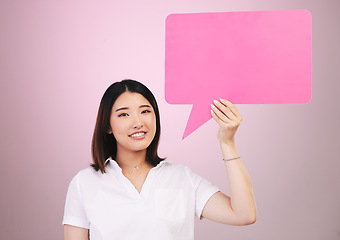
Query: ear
x,y
109,130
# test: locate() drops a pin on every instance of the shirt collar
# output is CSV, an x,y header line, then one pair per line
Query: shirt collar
x,y
114,164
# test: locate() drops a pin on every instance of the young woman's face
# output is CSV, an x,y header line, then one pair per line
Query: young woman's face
x,y
133,122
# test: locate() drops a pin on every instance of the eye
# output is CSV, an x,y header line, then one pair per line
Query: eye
x,y
146,111
123,115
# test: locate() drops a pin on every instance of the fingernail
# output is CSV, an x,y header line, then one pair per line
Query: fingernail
x,y
215,101
212,105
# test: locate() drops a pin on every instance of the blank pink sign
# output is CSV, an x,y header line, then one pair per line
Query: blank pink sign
x,y
261,57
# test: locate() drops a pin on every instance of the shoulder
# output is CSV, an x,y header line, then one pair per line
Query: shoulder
x,y
86,175
185,172
89,171
176,171
180,168
86,181
167,165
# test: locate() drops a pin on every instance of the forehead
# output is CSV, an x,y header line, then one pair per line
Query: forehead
x,y
130,99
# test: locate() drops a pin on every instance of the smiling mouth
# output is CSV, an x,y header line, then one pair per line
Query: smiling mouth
x,y
139,134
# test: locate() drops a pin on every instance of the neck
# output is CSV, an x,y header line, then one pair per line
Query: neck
x,y
131,159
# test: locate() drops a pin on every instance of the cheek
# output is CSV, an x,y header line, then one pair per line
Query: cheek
x,y
118,128
153,124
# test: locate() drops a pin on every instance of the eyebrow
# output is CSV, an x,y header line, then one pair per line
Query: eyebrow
x,y
125,108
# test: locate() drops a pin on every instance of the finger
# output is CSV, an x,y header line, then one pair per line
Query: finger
x,y
219,114
232,108
216,118
225,110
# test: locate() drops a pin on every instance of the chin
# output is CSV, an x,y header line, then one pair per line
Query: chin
x,y
140,148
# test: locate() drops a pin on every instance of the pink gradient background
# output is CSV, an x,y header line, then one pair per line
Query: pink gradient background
x,y
57,59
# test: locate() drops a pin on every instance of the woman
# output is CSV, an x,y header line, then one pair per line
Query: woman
x,y
132,193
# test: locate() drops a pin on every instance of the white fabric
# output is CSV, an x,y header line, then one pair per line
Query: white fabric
x,y
110,206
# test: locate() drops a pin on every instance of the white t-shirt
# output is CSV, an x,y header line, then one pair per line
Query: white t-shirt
x,y
110,206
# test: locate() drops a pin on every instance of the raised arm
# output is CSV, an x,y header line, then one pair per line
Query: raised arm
x,y
239,208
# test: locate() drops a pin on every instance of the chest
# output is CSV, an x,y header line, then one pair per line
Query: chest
x,y
136,178
150,205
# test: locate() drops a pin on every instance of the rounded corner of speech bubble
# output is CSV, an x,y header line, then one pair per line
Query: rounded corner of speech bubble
x,y
169,18
307,12
307,99
167,95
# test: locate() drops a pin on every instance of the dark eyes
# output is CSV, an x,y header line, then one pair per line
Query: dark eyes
x,y
125,114
122,115
146,111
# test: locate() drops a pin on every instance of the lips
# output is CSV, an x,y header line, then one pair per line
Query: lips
x,y
137,134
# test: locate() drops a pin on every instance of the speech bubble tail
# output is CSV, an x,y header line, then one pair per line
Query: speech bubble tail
x,y
198,116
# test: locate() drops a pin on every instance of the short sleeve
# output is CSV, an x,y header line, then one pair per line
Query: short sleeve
x,y
74,213
203,191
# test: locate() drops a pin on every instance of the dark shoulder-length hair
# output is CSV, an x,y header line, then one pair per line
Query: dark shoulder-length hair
x,y
104,145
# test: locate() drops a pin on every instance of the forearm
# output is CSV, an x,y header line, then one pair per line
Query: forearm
x,y
241,190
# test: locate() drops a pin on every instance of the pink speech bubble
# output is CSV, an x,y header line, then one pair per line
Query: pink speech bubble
x,y
261,57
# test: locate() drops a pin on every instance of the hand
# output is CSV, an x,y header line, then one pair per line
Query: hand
x,y
228,118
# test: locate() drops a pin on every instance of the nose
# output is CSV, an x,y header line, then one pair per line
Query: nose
x,y
138,126
137,123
